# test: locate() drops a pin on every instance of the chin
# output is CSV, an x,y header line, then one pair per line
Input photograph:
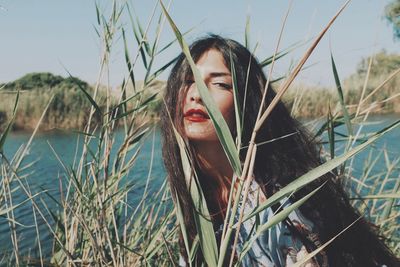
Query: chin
x,y
201,133
195,138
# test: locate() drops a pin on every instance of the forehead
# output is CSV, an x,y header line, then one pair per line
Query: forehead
x,y
210,62
213,59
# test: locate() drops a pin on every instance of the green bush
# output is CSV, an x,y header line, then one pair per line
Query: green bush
x,y
69,108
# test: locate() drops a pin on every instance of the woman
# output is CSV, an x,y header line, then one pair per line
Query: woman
x,y
277,163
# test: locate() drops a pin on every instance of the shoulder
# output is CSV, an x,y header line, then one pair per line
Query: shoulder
x,y
285,241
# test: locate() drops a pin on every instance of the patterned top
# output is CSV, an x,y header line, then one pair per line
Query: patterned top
x,y
277,246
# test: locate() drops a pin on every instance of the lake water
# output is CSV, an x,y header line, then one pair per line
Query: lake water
x,y
47,168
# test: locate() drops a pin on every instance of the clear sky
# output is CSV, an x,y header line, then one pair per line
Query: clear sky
x,y
45,35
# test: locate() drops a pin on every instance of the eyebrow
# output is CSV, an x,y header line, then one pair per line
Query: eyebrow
x,y
219,74
216,74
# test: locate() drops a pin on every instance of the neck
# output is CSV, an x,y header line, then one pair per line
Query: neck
x,y
213,159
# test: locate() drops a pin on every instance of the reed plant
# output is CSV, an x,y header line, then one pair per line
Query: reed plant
x,y
213,255
14,174
68,109
381,93
95,222
104,217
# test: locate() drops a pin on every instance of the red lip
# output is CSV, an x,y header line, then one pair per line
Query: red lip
x,y
196,115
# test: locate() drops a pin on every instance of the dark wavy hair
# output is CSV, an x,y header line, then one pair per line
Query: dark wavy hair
x,y
277,164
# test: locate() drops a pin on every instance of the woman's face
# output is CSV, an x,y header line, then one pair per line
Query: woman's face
x,y
217,77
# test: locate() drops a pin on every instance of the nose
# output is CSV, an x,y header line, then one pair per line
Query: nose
x,y
193,94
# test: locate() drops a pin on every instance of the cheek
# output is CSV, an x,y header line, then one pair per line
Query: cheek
x,y
227,108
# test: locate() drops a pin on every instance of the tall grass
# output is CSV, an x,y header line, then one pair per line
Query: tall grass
x,y
95,222
212,255
69,107
314,101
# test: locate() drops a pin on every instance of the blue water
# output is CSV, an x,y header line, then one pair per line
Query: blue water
x,y
45,172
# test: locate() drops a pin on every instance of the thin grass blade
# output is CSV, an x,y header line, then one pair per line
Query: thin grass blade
x,y
10,123
280,216
128,61
318,172
341,98
238,112
315,252
88,96
201,215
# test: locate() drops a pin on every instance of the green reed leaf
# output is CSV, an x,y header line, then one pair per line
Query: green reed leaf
x,y
88,96
180,216
156,237
307,257
341,98
141,106
139,38
162,69
159,245
331,133
281,54
172,42
280,216
238,112
123,103
143,38
201,214
128,60
317,172
338,121
97,13
247,32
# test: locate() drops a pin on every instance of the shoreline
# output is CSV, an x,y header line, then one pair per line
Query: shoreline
x,y
153,120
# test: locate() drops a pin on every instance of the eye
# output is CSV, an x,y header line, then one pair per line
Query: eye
x,y
189,82
222,85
